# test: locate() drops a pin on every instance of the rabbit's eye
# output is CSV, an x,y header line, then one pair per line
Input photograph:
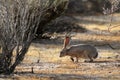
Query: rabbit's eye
x,y
61,52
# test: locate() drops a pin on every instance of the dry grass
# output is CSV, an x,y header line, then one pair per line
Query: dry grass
x,y
52,67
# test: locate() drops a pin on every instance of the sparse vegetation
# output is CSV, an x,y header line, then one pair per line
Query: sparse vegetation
x,y
25,56
20,20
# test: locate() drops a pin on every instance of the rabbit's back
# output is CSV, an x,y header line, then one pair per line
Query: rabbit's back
x,y
82,51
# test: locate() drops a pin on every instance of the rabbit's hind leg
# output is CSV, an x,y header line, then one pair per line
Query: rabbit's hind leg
x,y
76,60
90,59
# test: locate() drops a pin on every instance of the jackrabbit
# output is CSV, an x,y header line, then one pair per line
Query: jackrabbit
x,y
78,51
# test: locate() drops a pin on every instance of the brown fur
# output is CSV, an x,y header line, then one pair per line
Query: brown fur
x,y
80,51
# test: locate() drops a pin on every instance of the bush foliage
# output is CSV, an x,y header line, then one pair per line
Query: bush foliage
x,y
20,20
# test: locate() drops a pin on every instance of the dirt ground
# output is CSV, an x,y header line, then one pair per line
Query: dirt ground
x,y
42,62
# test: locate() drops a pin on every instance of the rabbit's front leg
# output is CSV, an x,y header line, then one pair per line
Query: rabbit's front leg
x,y
72,59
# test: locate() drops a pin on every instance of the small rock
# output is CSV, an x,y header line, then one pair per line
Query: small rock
x,y
109,72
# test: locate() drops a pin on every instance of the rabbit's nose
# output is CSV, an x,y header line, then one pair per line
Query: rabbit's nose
x,y
60,55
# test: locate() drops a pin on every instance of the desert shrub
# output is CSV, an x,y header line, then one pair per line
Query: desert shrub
x,y
85,6
19,22
111,6
55,10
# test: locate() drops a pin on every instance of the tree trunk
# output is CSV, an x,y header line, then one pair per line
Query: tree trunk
x,y
19,58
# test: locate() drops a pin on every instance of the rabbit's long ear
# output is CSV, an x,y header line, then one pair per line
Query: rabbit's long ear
x,y
66,41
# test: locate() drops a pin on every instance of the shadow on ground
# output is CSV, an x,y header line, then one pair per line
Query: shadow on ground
x,y
42,76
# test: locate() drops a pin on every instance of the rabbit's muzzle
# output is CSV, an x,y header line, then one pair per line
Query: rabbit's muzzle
x,y
62,54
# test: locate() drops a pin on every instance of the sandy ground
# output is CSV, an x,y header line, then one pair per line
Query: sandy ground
x,y
43,56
